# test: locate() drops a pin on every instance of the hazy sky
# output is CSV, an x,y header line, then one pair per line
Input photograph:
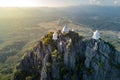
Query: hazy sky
x,y
55,3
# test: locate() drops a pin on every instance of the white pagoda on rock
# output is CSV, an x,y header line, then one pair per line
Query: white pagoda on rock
x,y
65,29
96,35
55,36
72,30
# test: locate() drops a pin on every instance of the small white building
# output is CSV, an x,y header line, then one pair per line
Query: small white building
x,y
96,35
65,29
55,36
72,30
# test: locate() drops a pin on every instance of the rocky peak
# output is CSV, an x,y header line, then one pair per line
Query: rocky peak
x,y
70,57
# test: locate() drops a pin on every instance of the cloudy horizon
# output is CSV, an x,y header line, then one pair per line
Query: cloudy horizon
x,y
56,3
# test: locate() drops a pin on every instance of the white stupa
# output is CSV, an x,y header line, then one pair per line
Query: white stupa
x,y
65,29
72,30
55,36
96,35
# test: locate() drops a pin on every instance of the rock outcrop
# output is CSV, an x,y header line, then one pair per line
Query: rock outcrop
x,y
101,61
70,57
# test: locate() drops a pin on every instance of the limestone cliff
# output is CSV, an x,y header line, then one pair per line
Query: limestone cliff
x,y
70,57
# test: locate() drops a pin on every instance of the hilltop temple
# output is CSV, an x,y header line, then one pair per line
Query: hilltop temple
x,y
96,35
65,29
55,36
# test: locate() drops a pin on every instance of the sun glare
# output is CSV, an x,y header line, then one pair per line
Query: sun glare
x,y
19,3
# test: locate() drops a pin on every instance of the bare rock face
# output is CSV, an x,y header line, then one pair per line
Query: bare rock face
x,y
102,61
70,57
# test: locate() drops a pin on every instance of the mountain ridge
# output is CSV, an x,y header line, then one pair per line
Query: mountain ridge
x,y
74,59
